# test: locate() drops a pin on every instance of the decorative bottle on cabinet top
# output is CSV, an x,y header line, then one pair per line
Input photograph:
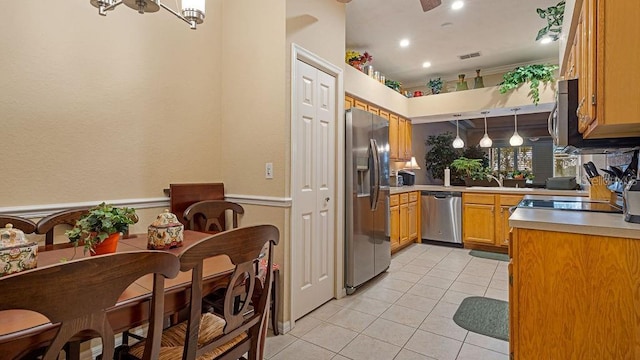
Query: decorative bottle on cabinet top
x,y
478,82
462,84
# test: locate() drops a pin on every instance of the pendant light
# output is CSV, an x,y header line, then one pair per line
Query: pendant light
x,y
516,139
457,142
485,142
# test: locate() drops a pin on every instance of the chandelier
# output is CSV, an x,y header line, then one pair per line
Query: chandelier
x,y
192,10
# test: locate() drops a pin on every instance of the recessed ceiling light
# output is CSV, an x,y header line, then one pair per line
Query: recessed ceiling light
x,y
545,40
457,5
426,64
404,42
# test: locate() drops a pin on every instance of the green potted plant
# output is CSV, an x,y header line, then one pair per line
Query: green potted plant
x,y
101,227
533,74
435,85
395,85
475,173
555,17
440,154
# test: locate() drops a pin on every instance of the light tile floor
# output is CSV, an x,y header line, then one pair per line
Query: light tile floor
x,y
403,314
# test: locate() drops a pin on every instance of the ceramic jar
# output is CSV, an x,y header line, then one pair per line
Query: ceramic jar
x,y
16,252
165,232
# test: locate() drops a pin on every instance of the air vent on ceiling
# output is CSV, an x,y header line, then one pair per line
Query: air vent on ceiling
x,y
469,56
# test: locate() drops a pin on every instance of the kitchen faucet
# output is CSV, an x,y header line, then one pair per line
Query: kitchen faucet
x,y
491,177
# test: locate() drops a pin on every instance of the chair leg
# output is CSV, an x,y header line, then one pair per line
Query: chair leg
x,y
275,301
72,350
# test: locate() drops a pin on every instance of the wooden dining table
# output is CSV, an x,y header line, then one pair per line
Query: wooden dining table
x,y
23,330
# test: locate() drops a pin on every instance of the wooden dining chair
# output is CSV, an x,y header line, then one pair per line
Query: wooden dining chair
x,y
27,226
79,292
210,215
242,327
47,225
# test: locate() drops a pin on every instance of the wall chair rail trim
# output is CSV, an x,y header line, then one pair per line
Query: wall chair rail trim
x,y
37,211
259,200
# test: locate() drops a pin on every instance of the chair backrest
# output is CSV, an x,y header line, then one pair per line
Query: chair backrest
x,y
209,215
183,195
26,225
244,247
47,224
78,293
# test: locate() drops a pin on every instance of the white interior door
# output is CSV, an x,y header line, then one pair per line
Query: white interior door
x,y
314,186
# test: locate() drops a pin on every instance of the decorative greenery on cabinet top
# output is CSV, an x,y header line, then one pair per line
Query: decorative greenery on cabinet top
x,y
533,74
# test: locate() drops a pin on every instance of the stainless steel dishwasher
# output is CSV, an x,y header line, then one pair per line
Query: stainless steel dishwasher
x,y
442,216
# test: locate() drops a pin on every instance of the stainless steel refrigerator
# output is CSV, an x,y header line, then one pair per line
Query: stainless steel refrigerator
x,y
367,242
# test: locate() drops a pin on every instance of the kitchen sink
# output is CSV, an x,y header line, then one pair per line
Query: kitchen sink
x,y
497,188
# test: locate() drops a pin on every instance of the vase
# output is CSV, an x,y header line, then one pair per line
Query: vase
x,y
107,246
356,64
478,82
462,84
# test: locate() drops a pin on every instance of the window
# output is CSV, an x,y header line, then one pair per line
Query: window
x,y
509,159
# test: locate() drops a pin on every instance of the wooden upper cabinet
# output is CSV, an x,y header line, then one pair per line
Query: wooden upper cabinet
x,y
408,129
393,136
373,109
348,102
360,105
607,53
402,137
384,114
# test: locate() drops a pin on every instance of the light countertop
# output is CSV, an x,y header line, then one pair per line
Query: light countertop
x,y
493,190
579,222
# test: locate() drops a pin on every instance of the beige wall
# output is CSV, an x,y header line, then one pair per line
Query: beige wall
x,y
254,121
103,108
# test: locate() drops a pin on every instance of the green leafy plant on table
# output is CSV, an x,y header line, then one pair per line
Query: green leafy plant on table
x,y
533,74
99,223
471,168
554,16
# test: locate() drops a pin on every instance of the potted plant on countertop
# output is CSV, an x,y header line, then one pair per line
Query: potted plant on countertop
x,y
475,173
101,227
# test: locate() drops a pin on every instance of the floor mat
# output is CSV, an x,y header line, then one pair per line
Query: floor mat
x,y
489,255
484,316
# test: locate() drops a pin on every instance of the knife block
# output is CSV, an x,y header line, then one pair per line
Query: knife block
x,y
599,191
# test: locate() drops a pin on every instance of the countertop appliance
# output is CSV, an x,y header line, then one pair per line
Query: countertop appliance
x,y
408,177
442,216
591,206
631,198
367,228
563,126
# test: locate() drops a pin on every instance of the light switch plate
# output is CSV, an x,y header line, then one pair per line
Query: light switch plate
x,y
268,171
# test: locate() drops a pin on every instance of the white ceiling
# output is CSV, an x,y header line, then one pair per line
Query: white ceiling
x,y
503,31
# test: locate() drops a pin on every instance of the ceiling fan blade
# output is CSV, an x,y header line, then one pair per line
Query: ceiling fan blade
x,y
430,4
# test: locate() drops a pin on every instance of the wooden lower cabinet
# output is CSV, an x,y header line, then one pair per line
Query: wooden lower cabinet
x,y
573,296
394,221
485,220
404,219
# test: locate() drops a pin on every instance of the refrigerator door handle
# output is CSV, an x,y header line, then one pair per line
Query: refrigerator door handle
x,y
375,187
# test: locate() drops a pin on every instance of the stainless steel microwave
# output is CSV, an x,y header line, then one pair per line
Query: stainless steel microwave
x,y
563,126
